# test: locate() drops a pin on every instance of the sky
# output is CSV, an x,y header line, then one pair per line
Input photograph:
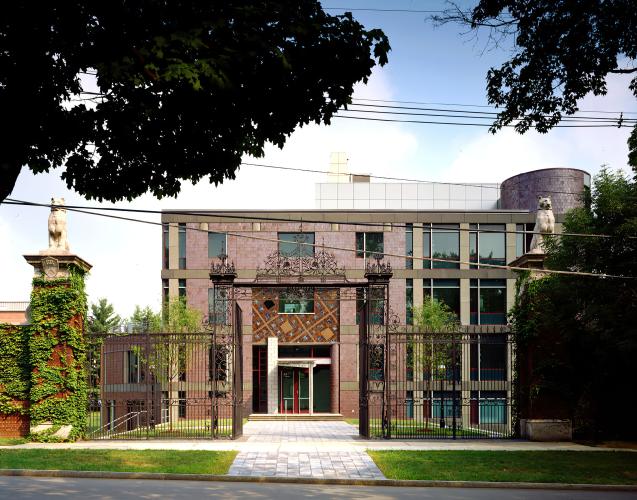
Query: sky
x,y
426,64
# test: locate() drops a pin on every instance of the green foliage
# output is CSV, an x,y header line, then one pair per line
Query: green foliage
x,y
562,51
15,369
103,318
58,353
435,315
186,89
582,331
179,318
145,320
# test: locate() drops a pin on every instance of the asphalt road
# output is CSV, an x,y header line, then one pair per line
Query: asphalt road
x,y
15,488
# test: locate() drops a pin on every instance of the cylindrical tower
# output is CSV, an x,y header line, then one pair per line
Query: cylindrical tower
x,y
564,186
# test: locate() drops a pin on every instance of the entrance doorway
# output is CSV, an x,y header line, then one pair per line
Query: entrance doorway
x,y
294,390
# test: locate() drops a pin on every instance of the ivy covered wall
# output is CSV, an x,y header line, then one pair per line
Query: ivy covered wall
x,y
57,352
15,380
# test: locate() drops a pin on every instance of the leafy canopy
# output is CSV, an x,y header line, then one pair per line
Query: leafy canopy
x,y
185,89
434,315
563,50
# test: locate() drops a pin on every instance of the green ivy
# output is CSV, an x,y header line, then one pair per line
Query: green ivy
x,y
58,354
15,369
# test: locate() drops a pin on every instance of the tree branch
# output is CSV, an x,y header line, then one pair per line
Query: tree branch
x,y
9,173
623,71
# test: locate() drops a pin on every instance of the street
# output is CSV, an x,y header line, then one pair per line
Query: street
x,y
37,487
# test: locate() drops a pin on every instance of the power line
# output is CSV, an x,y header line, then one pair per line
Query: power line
x,y
404,11
425,122
483,114
442,227
332,247
478,105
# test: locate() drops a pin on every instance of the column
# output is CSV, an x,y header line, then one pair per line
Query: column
x,y
273,375
311,387
334,382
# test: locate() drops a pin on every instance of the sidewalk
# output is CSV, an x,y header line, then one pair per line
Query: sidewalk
x,y
321,450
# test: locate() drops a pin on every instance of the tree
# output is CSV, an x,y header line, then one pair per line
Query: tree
x,y
562,51
103,318
145,320
582,330
185,89
432,348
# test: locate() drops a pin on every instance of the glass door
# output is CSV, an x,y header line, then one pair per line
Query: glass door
x,y
286,390
304,390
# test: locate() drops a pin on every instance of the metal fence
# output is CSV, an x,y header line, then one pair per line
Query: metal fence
x,y
166,385
436,384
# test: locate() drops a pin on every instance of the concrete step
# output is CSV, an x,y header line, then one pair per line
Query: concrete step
x,y
295,417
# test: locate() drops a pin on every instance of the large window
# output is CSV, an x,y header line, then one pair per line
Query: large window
x,y
487,244
217,244
441,241
296,305
182,289
296,244
182,245
369,244
488,302
409,246
443,290
488,357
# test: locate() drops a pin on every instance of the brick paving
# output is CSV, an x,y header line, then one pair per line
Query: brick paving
x,y
335,464
307,457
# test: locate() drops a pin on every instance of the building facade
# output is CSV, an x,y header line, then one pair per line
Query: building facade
x,y
302,355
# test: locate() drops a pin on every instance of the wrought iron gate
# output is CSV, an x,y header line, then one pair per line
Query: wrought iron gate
x,y
167,385
433,384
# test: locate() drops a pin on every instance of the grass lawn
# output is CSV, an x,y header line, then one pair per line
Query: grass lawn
x,y
180,462
12,441
591,467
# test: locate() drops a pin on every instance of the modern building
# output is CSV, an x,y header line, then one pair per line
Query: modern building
x,y
301,353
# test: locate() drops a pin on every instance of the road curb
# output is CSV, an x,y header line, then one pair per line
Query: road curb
x,y
309,480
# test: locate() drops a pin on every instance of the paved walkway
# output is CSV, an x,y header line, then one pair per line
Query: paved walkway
x,y
297,449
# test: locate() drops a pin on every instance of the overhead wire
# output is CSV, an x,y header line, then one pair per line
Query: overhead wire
x,y
387,254
225,215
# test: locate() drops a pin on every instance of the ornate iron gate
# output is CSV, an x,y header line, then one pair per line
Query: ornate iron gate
x,y
167,385
430,384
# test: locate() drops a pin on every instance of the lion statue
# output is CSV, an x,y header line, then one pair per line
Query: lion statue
x,y
544,224
57,226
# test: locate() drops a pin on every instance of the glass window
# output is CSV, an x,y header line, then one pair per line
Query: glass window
x,y
487,244
488,302
181,395
493,407
165,253
182,288
446,291
164,291
426,248
217,245
217,306
409,245
301,305
296,244
132,364
442,241
368,244
409,301
181,362
182,245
